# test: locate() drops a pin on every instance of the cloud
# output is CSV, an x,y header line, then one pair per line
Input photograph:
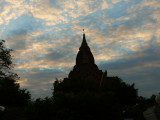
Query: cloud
x,y
48,11
40,81
48,54
17,33
23,24
46,35
115,1
140,67
12,10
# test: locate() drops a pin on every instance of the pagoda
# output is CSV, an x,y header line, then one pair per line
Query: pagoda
x,y
85,67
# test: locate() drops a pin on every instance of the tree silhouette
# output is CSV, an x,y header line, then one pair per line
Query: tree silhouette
x,y
84,99
5,60
10,92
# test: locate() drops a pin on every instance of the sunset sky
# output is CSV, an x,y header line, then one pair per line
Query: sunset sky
x,y
124,37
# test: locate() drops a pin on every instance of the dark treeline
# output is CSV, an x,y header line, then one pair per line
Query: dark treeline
x,y
72,99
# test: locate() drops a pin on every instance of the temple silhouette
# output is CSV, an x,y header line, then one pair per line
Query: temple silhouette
x,y
85,67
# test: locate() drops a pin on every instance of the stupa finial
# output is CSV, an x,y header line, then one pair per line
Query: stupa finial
x,y
83,31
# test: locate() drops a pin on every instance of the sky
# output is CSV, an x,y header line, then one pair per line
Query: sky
x,y
123,35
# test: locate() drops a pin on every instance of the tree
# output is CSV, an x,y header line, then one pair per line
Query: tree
x,y
85,99
40,109
10,92
5,60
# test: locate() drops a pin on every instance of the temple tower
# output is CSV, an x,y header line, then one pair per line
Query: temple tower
x,y
85,65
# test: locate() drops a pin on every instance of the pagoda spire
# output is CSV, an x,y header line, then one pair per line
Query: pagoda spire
x,y
84,42
85,65
84,55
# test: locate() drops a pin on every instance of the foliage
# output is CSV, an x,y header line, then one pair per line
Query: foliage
x,y
85,99
141,105
5,60
10,92
40,109
78,99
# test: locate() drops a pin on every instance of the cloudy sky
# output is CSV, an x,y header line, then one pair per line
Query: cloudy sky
x,y
124,37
